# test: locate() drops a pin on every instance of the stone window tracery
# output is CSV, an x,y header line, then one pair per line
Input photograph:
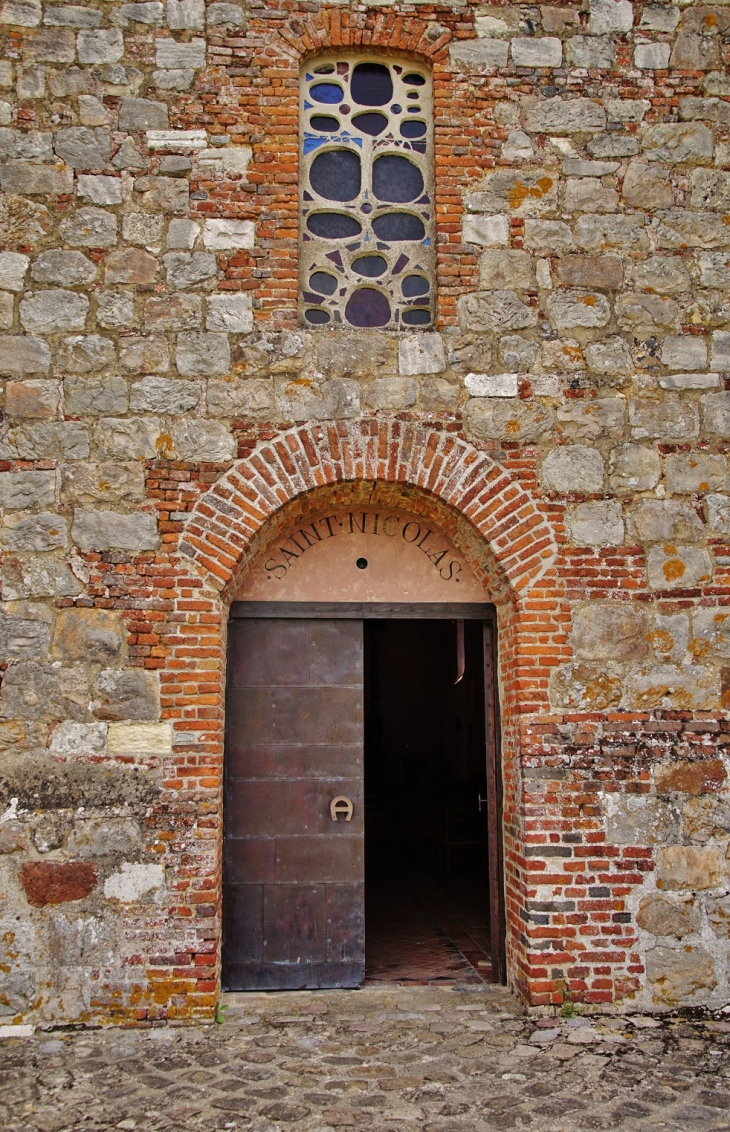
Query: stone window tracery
x,y
367,218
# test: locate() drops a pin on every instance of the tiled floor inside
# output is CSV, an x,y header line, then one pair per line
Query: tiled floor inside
x,y
421,932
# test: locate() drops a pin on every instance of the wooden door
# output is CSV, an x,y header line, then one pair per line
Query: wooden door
x,y
293,877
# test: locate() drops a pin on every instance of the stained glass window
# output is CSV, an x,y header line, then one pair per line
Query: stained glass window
x,y
366,193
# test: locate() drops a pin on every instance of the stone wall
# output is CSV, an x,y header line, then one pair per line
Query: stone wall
x,y
160,404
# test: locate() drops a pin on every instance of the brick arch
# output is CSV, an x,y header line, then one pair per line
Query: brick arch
x,y
228,525
375,30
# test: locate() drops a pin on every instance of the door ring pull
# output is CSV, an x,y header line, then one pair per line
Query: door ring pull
x,y
341,805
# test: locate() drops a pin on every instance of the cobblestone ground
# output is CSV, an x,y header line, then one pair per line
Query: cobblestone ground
x,y
383,1059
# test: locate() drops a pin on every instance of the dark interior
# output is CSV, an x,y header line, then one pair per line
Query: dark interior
x,y
426,878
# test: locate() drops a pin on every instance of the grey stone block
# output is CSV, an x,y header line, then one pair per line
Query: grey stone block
x,y
90,228
95,396
109,482
13,266
163,395
110,530
252,398
495,310
38,533
171,54
675,142
46,440
479,53
506,418
71,16
202,354
102,46
45,180
115,310
84,148
34,576
565,116
220,14
182,14
19,145
710,188
34,691
70,269
670,418
597,524
664,520
144,355
185,270
231,312
150,12
25,489
569,309
47,312
86,354
678,568
163,194
23,355
202,440
131,693
646,315
142,114
573,469
696,472
536,51
99,189
591,52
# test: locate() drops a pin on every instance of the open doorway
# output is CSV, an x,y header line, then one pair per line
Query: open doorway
x,y
427,910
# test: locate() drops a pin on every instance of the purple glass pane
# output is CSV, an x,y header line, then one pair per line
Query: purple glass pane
x,y
370,265
371,123
412,129
335,175
412,286
416,318
398,226
326,284
333,225
325,124
367,307
395,178
400,263
310,298
328,93
317,318
371,84
414,80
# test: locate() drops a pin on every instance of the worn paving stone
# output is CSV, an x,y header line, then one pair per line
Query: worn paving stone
x,y
461,1059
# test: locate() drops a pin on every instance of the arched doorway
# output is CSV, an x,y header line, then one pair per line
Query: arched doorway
x,y
363,791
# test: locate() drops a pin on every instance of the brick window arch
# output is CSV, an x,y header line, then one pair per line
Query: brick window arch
x,y
367,221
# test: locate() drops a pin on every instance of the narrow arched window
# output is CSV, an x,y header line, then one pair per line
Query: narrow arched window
x,y
366,193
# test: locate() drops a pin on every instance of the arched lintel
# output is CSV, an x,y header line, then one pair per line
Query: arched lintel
x,y
392,33
495,523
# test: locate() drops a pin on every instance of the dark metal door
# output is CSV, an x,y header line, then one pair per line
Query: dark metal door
x,y
293,876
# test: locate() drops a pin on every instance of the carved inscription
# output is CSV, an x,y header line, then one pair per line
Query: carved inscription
x,y
373,523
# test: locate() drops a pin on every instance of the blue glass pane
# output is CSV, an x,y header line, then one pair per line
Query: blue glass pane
x,y
398,226
326,284
335,175
367,307
370,265
396,179
371,123
416,318
329,93
411,129
317,318
333,226
414,80
412,286
371,84
326,125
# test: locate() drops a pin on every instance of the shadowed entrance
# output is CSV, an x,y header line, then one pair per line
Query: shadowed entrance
x,y
427,895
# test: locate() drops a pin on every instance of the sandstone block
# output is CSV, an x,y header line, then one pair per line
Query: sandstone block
x,y
603,416
495,310
547,235
602,271
202,353
609,357
664,520
95,396
163,194
42,532
506,418
34,691
439,395
638,819
343,354
253,398
391,393
586,687
130,438
670,637
89,228
93,635
232,313
81,147
37,577
570,309
671,567
609,630
421,354
710,188
502,268
144,229
680,230
675,142
703,777
47,440
647,186
672,688
716,413
125,694
545,51
595,233
86,353
589,194
646,315
718,914
694,52
569,116
185,270
711,633
173,312
45,180
131,265
226,235
67,268
592,52
36,399
718,514
573,468
517,354
664,274
488,231
696,472
597,524
202,440
521,192
686,866
163,395
19,491
675,975
144,355
57,882
714,269
684,353
13,267
106,530
478,53
105,482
